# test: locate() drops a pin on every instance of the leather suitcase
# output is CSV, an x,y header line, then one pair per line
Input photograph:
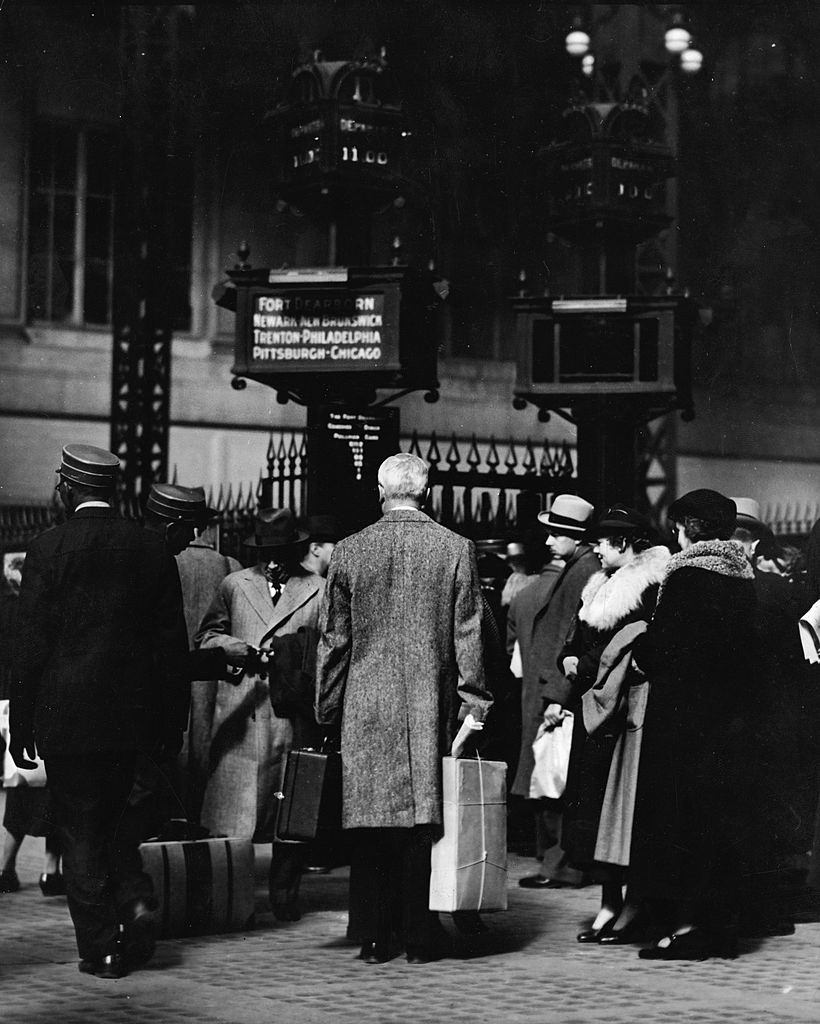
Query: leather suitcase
x,y
311,797
203,886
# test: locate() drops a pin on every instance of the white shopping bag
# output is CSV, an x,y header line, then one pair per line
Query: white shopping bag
x,y
551,749
516,667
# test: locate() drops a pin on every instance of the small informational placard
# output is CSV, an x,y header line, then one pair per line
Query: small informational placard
x,y
320,328
346,448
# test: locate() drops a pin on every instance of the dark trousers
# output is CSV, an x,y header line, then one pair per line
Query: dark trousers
x,y
101,859
394,901
287,863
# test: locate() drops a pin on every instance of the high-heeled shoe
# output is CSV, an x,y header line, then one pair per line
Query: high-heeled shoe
x,y
637,930
694,945
596,934
52,884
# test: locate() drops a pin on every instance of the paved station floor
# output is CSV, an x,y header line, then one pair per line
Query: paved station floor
x,y
529,968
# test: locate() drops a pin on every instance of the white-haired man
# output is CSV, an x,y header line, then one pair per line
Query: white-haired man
x,y
399,662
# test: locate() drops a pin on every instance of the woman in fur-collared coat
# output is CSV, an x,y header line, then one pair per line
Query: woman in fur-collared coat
x,y
695,803
623,591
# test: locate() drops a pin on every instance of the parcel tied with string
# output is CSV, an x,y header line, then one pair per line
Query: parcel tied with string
x,y
469,862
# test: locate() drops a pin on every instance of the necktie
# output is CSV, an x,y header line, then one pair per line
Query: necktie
x,y
277,576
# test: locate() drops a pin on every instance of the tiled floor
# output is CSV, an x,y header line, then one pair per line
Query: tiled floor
x,y
528,969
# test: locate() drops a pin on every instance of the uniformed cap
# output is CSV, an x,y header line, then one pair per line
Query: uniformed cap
x,y
180,504
89,466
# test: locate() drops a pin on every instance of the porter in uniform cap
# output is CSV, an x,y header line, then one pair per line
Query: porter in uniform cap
x,y
88,466
180,504
568,514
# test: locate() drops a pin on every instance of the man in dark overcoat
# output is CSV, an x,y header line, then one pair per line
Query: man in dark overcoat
x,y
541,638
101,637
399,661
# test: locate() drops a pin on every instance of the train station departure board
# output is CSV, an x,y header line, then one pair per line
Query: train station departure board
x,y
346,449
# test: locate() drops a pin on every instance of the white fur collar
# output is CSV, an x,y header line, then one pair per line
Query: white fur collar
x,y
607,600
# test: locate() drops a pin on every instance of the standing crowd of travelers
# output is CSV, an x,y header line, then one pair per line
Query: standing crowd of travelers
x,y
158,679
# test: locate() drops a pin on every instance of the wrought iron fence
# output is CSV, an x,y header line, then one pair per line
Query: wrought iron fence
x,y
480,488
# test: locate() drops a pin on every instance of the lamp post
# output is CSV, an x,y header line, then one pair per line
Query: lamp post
x,y
614,356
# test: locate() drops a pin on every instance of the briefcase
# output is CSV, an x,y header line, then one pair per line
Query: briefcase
x,y
469,862
203,886
311,797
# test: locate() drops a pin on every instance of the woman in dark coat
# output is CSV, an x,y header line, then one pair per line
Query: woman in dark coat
x,y
693,813
623,591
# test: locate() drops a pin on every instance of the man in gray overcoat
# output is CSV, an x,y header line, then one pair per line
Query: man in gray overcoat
x,y
399,662
249,741
541,636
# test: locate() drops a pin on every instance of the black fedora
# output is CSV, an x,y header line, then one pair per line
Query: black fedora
x,y
322,528
275,528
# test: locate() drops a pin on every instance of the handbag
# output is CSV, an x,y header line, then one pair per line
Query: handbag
x,y
550,750
12,775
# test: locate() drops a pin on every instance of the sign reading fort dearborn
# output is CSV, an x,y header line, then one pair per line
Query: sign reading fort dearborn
x,y
332,333
302,330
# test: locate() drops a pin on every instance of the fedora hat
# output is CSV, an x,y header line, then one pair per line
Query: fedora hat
x,y
568,514
275,528
748,515
89,466
622,520
180,504
703,504
322,528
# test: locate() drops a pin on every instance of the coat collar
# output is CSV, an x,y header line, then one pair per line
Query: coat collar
x,y
398,515
94,512
298,591
609,598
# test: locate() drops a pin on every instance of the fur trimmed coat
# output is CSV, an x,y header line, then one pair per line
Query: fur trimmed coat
x,y
697,794
609,601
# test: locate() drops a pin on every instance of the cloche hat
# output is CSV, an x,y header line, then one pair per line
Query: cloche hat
x,y
622,520
703,504
568,514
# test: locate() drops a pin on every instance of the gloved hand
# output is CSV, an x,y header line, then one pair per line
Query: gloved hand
x,y
237,652
23,747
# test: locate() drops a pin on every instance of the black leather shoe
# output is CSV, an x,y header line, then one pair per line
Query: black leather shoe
x,y
596,934
9,882
373,953
287,911
139,933
422,955
694,945
52,885
111,966
535,882
636,931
